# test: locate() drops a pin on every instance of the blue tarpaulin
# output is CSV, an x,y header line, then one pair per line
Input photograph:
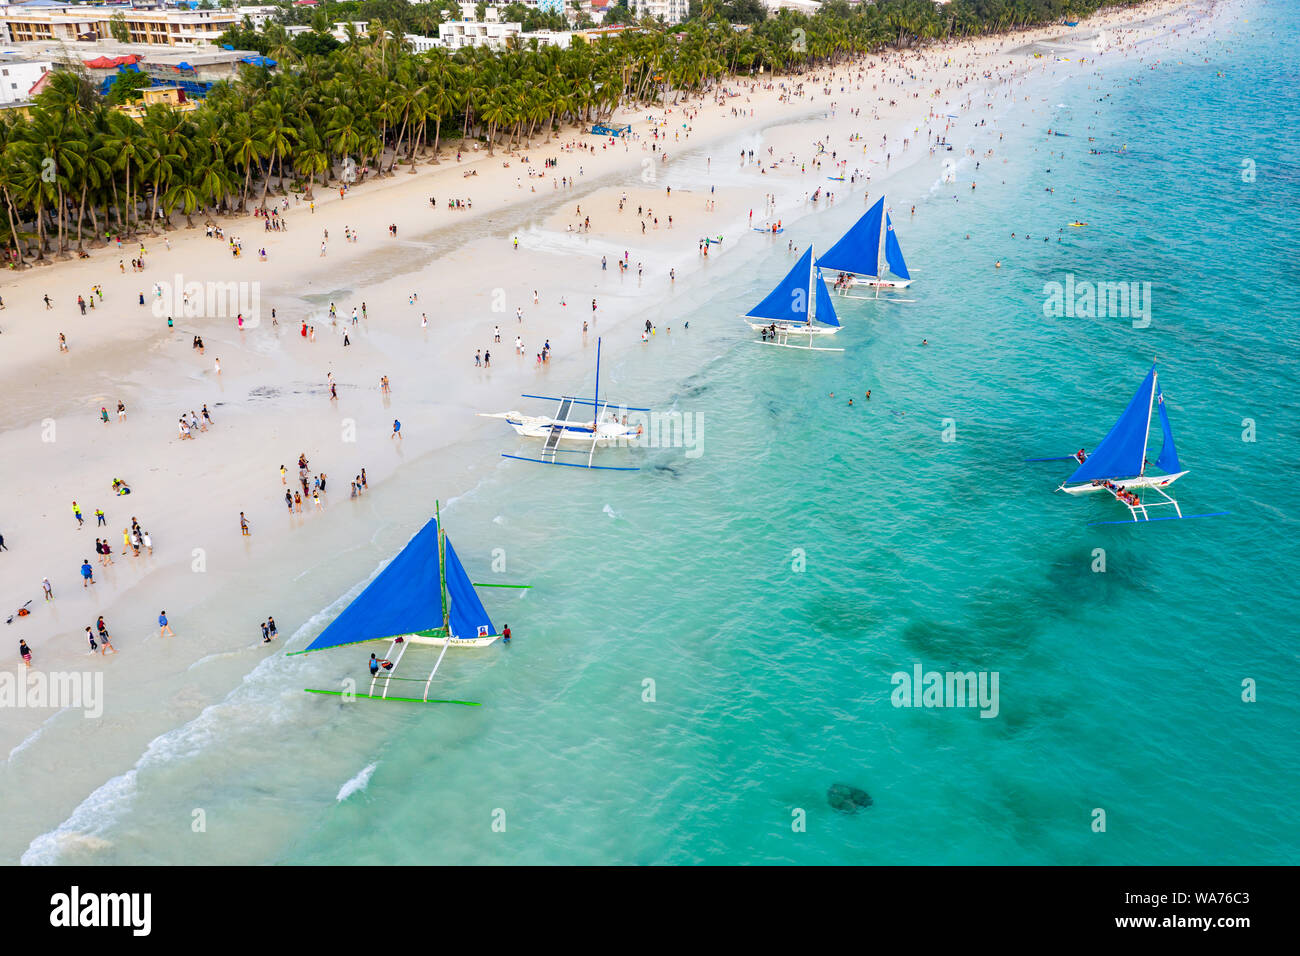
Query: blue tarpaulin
x,y
258,60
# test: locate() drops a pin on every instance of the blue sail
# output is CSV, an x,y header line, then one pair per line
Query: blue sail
x,y
406,597
468,616
825,311
894,252
788,302
1168,460
1122,451
858,250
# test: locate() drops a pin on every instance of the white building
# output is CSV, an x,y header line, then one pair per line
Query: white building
x,y
421,44
808,7
260,16
19,76
669,11
491,33
340,30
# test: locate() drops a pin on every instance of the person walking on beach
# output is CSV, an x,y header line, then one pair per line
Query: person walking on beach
x,y
76,513
47,588
99,518
3,546
87,573
91,638
163,627
147,540
243,525
397,430
25,653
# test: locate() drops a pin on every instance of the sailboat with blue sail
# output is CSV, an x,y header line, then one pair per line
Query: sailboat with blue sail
x,y
1119,465
866,253
798,308
423,597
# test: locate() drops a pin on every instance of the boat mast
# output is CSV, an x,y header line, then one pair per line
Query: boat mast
x,y
812,286
880,246
595,399
1155,388
442,569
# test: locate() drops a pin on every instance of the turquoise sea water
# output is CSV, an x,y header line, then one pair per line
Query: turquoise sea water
x,y
1118,690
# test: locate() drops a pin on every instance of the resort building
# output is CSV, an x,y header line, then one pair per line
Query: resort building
x,y
489,32
45,20
670,12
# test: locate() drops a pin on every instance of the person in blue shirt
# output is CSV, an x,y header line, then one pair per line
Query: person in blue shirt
x,y
87,573
397,429
163,627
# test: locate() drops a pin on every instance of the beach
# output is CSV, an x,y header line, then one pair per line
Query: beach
x,y
535,256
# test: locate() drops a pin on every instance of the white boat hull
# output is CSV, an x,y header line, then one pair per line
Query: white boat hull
x,y
451,641
791,329
540,426
1128,484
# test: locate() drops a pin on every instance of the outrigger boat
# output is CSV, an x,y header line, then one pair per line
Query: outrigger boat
x,y
1119,465
863,254
794,308
422,598
603,428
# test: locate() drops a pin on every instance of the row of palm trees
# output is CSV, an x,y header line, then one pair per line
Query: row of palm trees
x,y
75,171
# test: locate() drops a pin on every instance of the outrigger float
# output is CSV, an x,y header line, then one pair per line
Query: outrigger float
x,y
603,428
1119,464
423,598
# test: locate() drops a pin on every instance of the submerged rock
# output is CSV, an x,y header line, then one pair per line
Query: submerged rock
x,y
847,799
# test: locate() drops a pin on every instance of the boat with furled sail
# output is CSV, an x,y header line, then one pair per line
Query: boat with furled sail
x,y
570,424
865,253
800,306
